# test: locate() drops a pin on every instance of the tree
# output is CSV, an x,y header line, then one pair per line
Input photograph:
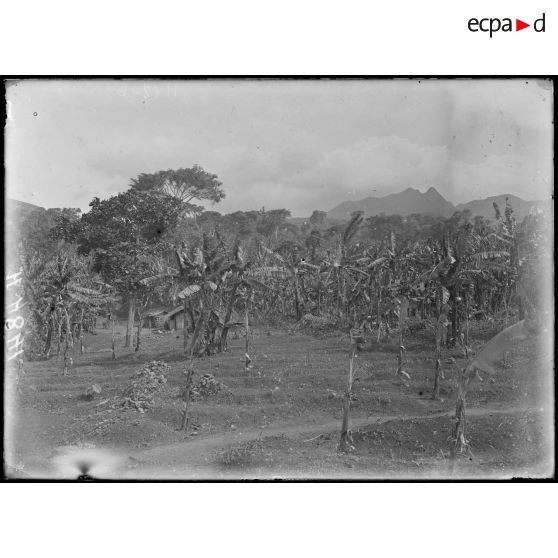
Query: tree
x,y
119,231
318,218
209,221
271,221
313,242
183,184
486,361
37,229
291,267
342,262
61,290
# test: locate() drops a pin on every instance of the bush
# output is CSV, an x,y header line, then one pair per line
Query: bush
x,y
147,381
206,386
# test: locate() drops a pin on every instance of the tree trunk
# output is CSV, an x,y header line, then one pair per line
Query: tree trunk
x,y
200,327
460,445
342,302
466,336
189,373
192,316
378,311
247,360
113,338
454,317
439,371
81,331
403,307
59,339
346,440
440,336
400,354
297,298
227,319
186,393
185,342
506,310
130,323
50,335
68,343
138,340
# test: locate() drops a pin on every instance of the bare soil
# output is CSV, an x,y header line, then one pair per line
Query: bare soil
x,y
282,418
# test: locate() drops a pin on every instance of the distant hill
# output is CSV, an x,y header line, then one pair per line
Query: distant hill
x,y
16,212
430,202
485,207
19,208
404,203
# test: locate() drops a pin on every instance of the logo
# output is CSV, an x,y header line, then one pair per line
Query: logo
x,y
493,25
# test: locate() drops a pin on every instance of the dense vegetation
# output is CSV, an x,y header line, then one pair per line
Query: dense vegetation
x,y
149,245
152,245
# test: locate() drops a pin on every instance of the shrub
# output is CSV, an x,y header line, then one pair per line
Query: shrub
x,y
147,381
206,386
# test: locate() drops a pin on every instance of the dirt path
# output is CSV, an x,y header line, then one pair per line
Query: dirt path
x,y
194,457
193,450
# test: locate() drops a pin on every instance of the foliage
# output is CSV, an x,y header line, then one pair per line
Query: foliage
x,y
183,184
147,381
141,243
207,386
120,229
59,291
37,229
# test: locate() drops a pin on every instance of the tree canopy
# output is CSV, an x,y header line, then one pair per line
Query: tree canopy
x,y
183,184
120,229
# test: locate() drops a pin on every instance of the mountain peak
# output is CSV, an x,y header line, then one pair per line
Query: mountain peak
x,y
431,202
432,193
404,203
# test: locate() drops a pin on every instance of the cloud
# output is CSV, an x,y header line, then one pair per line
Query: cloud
x,y
300,145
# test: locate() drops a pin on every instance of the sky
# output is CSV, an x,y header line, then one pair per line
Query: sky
x,y
300,145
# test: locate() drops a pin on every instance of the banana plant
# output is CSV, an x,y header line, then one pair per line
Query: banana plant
x,y
60,291
242,278
485,362
290,269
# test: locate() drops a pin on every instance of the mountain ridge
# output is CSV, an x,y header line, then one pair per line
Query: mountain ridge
x,y
431,202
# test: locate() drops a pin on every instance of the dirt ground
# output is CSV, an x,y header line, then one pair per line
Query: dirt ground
x,y
282,418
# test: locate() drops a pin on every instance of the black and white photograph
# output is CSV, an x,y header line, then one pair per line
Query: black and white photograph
x,y
279,279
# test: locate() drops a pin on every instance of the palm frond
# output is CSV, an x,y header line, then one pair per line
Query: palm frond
x,y
189,291
489,255
155,278
486,256
83,290
351,228
376,262
355,269
309,265
254,283
269,271
277,256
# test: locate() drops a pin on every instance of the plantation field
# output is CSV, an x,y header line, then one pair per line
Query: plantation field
x,y
282,418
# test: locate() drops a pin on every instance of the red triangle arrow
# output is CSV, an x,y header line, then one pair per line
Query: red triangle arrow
x,y
519,25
